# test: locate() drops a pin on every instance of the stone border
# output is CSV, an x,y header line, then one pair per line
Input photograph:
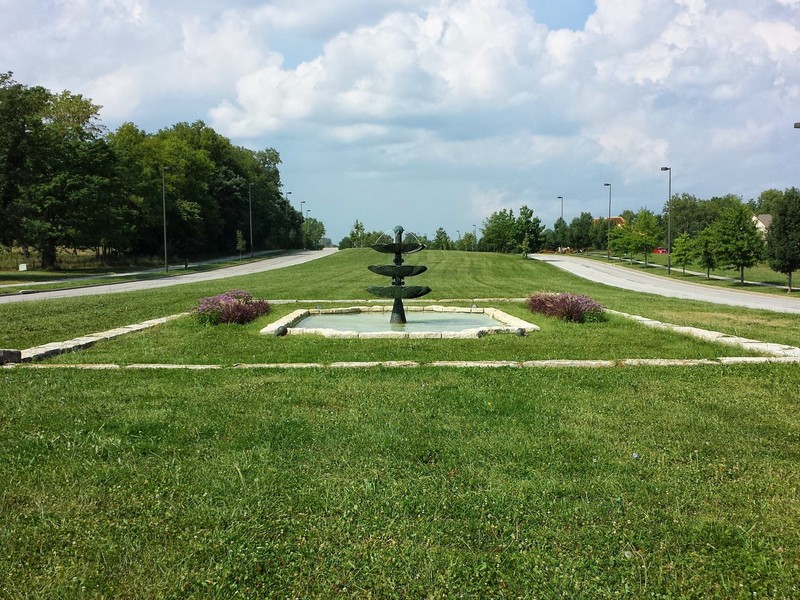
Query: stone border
x,y
780,350
56,348
500,364
509,323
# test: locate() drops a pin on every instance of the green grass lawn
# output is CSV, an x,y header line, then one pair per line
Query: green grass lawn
x,y
419,482
344,276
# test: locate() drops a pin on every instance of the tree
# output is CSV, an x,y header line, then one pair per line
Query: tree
x,y
647,233
57,183
65,182
579,235
467,242
682,251
783,236
740,244
624,240
598,233
767,202
441,241
705,249
528,231
355,237
498,232
560,234
21,110
241,244
313,230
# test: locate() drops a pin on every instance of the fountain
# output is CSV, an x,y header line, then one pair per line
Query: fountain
x,y
398,290
368,322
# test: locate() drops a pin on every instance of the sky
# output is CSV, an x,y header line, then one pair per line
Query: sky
x,y
438,113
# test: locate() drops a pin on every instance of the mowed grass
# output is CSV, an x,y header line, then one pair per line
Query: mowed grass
x,y
397,482
415,483
186,342
344,276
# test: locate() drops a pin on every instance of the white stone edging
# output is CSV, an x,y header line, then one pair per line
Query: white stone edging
x,y
509,323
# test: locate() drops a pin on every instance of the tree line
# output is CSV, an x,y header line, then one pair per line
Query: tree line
x,y
68,183
715,232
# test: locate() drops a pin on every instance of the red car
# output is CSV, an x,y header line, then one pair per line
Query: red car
x,y
660,251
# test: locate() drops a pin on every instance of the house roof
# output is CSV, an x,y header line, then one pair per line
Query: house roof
x,y
763,221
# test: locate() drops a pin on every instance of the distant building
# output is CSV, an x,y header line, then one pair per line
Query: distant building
x,y
615,221
762,223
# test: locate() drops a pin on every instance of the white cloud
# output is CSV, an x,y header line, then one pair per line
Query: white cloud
x,y
627,144
461,53
475,90
752,136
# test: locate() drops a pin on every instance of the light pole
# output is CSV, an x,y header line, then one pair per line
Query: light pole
x,y
562,206
250,198
164,209
608,238
474,238
669,220
301,209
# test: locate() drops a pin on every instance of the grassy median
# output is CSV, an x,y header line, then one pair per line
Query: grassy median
x,y
404,482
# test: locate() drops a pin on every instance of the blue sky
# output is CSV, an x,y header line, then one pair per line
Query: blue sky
x,y
436,113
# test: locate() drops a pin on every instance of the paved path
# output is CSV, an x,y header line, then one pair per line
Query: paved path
x,y
277,262
621,277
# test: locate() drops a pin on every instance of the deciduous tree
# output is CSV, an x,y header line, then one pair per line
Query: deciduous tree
x,y
783,236
740,244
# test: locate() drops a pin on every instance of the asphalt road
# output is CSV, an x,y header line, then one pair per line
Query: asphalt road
x,y
621,277
268,264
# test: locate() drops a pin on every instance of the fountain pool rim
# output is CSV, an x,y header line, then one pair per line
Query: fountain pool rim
x,y
505,323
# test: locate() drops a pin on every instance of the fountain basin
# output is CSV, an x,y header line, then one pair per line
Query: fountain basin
x,y
424,322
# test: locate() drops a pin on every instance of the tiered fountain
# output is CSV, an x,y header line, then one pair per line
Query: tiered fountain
x,y
398,272
369,321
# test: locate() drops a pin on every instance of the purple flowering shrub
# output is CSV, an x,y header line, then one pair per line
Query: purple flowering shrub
x,y
235,306
569,307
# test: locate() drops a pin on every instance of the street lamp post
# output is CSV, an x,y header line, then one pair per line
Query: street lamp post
x,y
669,220
250,198
474,238
301,209
164,209
562,206
608,235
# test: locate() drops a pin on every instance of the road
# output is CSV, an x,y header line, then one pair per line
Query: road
x,y
621,277
278,262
